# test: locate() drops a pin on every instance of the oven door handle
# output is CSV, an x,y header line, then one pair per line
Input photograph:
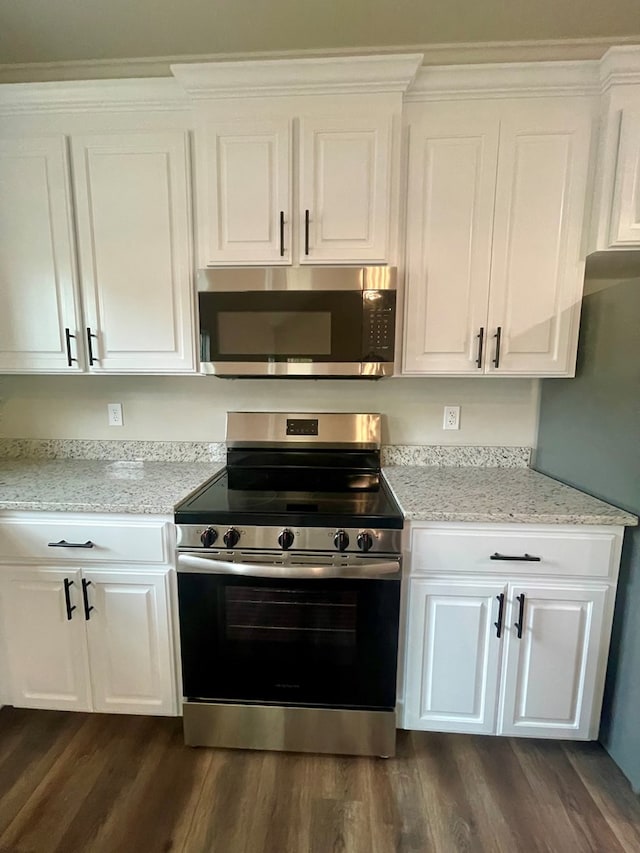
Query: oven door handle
x,y
194,563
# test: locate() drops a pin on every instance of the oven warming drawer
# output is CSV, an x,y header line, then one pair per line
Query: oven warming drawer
x,y
291,729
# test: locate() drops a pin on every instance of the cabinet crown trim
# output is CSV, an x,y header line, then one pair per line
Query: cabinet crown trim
x,y
281,77
505,80
620,65
93,95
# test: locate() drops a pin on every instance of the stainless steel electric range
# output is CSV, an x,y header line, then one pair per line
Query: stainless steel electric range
x,y
289,566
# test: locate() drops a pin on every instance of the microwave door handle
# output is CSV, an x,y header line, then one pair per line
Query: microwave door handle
x,y
194,563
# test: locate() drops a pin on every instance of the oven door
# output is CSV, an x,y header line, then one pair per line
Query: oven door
x,y
306,634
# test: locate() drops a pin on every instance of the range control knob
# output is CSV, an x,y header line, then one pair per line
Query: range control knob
x,y
209,537
231,537
285,539
341,540
365,541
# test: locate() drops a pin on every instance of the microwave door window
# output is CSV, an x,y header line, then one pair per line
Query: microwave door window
x,y
274,333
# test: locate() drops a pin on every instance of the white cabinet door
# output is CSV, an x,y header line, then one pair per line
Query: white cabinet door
x,y
134,240
453,656
37,264
130,645
550,674
453,151
625,214
244,193
46,651
344,189
537,270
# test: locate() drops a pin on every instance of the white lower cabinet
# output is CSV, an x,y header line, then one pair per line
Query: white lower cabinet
x,y
550,672
87,640
505,652
453,657
45,641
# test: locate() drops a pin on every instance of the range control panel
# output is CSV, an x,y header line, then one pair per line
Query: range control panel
x,y
302,426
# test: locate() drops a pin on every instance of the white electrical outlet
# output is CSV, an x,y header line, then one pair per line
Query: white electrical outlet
x,y
115,414
451,417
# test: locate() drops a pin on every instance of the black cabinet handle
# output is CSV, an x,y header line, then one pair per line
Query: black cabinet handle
x,y
480,337
498,624
306,232
282,233
498,337
67,337
64,544
524,558
85,596
90,335
520,623
67,598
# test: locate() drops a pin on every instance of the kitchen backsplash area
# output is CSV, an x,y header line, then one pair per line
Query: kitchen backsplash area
x,y
496,413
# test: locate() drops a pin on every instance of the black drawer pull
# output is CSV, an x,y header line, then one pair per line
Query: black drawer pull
x,y
498,624
67,598
520,623
306,232
524,558
282,233
92,358
85,596
64,544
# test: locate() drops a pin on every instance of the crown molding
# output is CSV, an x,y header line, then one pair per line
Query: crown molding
x,y
620,66
321,75
93,95
503,80
453,53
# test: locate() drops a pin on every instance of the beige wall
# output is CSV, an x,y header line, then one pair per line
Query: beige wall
x,y
494,411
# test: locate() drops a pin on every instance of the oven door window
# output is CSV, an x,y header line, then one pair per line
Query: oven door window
x,y
331,642
283,326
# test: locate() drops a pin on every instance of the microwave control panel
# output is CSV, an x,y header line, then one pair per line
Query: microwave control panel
x,y
378,325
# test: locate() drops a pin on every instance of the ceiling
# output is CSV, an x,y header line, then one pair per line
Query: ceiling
x,y
63,31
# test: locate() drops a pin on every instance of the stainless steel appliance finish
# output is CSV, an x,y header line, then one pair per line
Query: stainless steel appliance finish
x,y
289,571
268,565
298,369
239,279
277,429
297,321
304,539
325,730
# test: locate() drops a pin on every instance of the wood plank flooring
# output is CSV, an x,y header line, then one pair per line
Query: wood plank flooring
x,y
91,783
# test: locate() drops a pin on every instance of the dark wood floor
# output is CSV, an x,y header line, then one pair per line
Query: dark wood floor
x,y
111,784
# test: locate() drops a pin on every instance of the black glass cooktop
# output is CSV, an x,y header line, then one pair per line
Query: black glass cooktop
x,y
293,496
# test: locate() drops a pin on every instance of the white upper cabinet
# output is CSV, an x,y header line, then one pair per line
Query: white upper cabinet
x,y
616,208
298,161
344,189
538,256
38,306
453,153
244,199
625,215
256,207
133,221
495,261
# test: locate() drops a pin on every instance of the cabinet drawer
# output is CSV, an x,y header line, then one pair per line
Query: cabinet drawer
x,y
110,541
585,554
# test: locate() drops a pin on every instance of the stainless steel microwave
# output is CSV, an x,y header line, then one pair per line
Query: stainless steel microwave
x,y
297,321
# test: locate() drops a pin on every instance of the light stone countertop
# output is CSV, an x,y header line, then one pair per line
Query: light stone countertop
x,y
151,488
495,495
425,493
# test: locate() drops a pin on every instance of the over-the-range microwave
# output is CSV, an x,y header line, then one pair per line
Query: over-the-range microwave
x,y
297,321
